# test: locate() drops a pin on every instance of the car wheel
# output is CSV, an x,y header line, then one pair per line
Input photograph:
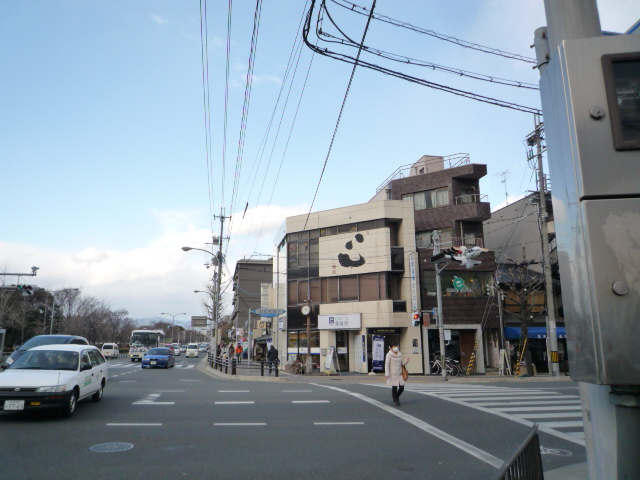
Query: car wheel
x,y
69,409
96,397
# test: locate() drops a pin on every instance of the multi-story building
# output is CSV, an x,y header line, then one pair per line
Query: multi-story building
x,y
514,233
352,265
248,278
445,194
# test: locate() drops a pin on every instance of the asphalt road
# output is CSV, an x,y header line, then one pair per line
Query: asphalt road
x,y
183,423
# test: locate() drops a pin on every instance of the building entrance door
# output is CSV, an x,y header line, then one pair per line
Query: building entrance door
x,y
342,350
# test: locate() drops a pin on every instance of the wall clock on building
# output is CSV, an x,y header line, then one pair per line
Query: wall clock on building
x,y
306,310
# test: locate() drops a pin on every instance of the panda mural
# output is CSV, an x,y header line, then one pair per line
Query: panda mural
x,y
345,259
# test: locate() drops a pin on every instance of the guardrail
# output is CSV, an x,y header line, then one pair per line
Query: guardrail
x,y
229,366
526,462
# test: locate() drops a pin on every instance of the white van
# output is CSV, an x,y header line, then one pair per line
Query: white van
x,y
192,350
110,350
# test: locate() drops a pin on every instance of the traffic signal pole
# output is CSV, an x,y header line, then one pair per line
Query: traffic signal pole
x,y
443,357
587,84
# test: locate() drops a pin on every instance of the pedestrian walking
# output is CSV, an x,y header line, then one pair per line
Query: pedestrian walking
x,y
393,365
239,352
272,357
218,350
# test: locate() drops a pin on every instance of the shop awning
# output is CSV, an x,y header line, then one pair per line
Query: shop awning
x,y
534,332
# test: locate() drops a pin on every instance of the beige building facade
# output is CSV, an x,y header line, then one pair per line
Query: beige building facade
x,y
356,267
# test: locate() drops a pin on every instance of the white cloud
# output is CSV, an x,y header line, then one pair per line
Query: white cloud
x,y
158,19
158,277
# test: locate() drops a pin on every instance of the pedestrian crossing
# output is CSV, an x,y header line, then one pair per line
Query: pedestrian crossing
x,y
556,413
184,366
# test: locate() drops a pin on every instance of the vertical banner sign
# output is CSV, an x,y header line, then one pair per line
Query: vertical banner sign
x,y
378,353
414,282
327,361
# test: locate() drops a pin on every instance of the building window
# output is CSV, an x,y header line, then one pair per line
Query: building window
x,y
467,195
458,284
431,198
424,239
292,293
349,288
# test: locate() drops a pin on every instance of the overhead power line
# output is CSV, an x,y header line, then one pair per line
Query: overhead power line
x,y
448,38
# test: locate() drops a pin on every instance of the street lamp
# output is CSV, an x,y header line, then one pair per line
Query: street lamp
x,y
173,319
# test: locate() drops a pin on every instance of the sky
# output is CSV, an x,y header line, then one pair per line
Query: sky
x,y
112,128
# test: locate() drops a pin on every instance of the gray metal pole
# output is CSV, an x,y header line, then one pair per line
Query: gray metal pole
x,y
567,19
443,357
552,338
53,313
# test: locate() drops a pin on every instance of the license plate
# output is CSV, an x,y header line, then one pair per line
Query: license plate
x,y
153,362
14,404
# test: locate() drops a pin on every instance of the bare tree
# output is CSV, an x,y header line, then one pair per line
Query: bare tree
x,y
523,291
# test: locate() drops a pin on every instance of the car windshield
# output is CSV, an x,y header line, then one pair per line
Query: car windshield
x,y
192,346
158,351
44,340
47,360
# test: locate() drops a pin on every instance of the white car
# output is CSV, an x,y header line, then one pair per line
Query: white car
x,y
54,377
176,349
110,350
192,350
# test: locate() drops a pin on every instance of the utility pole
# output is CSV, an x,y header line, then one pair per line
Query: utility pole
x,y
218,281
552,338
439,321
589,99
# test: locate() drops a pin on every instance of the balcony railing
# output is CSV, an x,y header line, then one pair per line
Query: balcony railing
x,y
450,161
470,198
454,242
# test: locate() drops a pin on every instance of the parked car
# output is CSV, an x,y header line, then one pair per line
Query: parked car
x,y
110,350
193,350
46,340
54,377
158,357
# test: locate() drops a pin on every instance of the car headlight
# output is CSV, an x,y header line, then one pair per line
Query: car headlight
x,y
56,388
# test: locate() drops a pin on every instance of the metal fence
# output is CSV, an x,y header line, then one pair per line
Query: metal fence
x,y
245,367
526,462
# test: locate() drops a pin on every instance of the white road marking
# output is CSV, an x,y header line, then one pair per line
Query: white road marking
x,y
297,391
562,424
239,424
551,402
450,439
338,423
171,391
134,424
151,402
549,415
310,401
233,391
528,409
233,403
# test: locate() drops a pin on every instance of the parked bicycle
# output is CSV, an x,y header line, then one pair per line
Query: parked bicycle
x,y
453,367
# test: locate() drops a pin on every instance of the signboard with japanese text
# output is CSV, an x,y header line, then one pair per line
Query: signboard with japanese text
x,y
350,321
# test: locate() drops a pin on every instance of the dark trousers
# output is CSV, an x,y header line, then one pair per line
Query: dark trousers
x,y
272,364
396,392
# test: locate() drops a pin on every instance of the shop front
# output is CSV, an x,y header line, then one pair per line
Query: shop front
x,y
336,336
537,341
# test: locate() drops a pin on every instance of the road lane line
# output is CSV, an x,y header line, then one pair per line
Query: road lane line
x,y
436,432
297,391
234,403
134,424
338,423
233,391
239,424
151,402
310,401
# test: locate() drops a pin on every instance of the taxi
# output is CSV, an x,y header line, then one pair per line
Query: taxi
x,y
54,377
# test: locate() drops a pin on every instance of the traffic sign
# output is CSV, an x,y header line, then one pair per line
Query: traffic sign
x,y
269,312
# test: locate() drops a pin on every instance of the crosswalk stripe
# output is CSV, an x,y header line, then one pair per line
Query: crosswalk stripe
x,y
526,409
562,424
549,415
544,402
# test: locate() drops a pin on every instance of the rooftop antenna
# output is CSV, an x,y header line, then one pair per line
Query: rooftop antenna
x,y
504,176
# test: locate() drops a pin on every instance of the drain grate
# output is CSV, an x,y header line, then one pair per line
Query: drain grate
x,y
111,447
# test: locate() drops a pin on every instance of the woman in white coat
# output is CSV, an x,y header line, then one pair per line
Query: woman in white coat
x,y
393,372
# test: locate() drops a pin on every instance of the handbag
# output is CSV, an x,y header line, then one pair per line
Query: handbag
x,y
405,373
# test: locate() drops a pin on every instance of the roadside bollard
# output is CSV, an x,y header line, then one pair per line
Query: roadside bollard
x,y
262,369
226,367
233,366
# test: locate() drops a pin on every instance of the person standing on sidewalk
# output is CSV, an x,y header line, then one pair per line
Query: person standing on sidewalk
x,y
393,372
272,357
239,352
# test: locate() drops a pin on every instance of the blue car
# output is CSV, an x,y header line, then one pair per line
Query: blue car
x,y
158,357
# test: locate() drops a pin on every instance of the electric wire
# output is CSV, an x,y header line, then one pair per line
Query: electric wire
x,y
344,100
226,100
417,62
448,38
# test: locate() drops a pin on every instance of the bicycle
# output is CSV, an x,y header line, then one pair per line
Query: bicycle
x,y
452,366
